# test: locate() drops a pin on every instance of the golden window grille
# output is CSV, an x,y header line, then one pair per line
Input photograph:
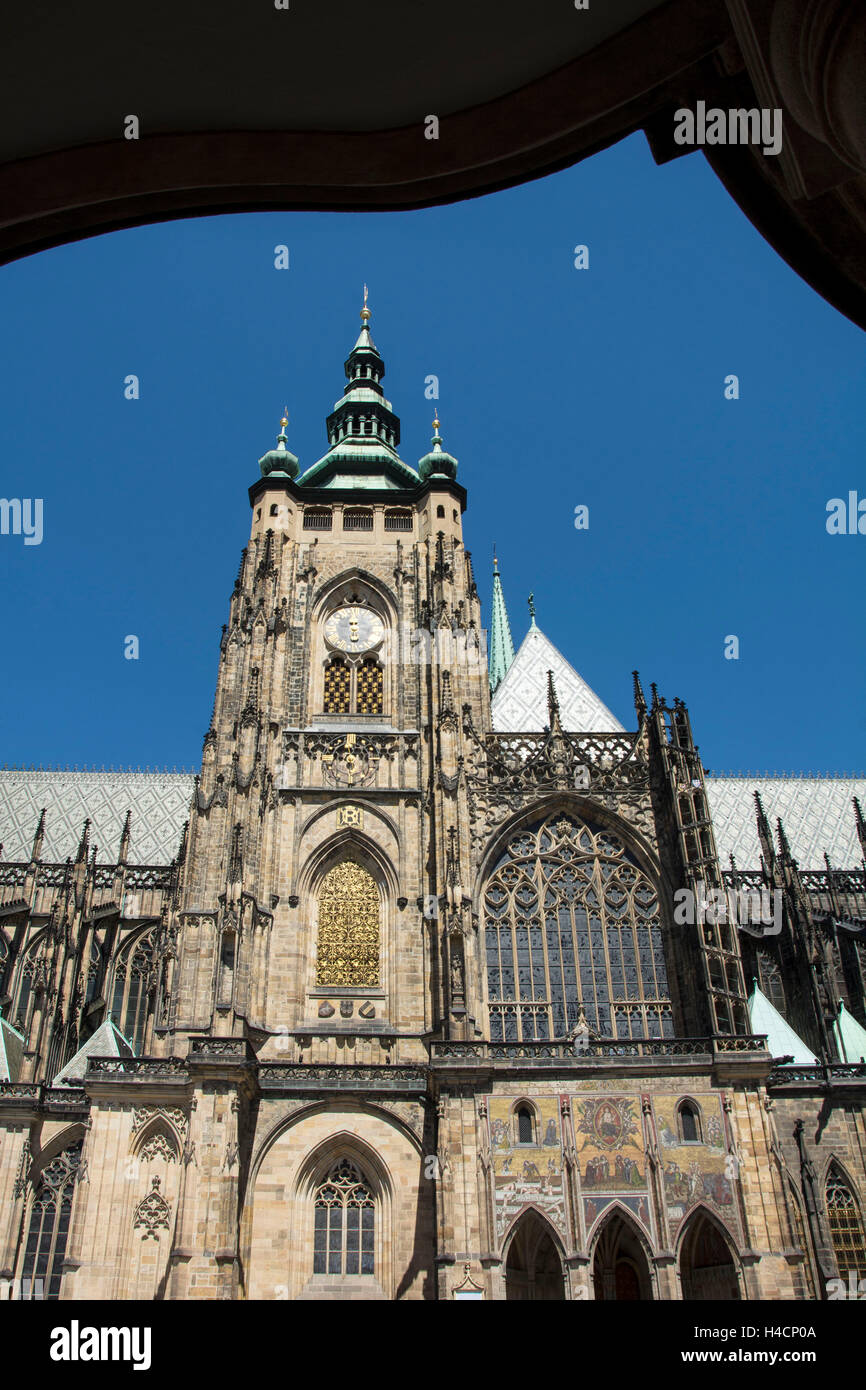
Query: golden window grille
x,y
369,699
338,688
348,947
846,1228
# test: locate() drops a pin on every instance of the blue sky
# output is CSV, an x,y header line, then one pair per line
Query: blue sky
x,y
558,387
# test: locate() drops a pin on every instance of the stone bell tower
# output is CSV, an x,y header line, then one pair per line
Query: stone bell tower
x,y
325,895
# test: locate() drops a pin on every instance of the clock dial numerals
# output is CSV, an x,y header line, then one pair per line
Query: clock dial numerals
x,y
354,630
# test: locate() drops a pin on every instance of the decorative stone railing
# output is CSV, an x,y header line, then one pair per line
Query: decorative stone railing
x,y
600,762
589,1050
815,881
49,1097
143,1068
12,874
819,1075
221,1049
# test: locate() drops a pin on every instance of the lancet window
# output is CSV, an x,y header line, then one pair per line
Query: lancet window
x,y
132,999
345,1215
48,1228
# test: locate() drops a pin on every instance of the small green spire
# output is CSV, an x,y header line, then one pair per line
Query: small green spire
x,y
532,610
501,643
280,462
438,460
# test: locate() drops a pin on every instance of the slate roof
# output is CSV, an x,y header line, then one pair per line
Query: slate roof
x,y
159,802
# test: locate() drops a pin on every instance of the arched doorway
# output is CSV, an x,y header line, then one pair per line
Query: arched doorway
x,y
620,1270
706,1265
533,1269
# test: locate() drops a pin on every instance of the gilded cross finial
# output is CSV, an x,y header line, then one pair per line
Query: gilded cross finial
x,y
285,417
365,312
436,420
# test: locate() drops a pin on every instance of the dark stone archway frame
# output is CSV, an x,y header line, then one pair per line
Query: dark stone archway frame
x,y
682,52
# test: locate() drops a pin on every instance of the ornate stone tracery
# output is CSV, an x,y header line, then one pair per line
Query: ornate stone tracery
x,y
572,926
152,1212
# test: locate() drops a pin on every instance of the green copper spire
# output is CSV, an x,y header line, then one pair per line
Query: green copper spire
x,y
280,462
501,644
363,431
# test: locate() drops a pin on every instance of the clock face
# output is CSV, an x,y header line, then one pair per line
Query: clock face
x,y
353,629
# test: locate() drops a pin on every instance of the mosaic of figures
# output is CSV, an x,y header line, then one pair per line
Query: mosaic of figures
x,y
697,1170
529,1172
611,1156
612,1136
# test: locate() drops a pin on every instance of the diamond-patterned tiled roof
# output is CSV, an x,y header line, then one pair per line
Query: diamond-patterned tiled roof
x,y
816,812
519,704
159,802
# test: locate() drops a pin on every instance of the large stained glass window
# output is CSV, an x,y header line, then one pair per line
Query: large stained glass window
x,y
344,1224
48,1229
571,922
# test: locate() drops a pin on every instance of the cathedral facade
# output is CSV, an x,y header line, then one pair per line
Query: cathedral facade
x,y
436,981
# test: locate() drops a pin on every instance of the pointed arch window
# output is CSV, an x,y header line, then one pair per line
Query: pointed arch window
x,y
48,1228
132,999
572,933
31,977
846,1226
349,930
345,1216
771,981
524,1124
690,1122
94,972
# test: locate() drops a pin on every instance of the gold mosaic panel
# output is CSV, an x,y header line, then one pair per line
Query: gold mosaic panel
x,y
348,946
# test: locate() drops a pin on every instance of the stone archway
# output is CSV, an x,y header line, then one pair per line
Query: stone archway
x,y
533,1266
707,1266
620,1270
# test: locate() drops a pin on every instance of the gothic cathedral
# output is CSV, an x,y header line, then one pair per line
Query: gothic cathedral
x,y
443,990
